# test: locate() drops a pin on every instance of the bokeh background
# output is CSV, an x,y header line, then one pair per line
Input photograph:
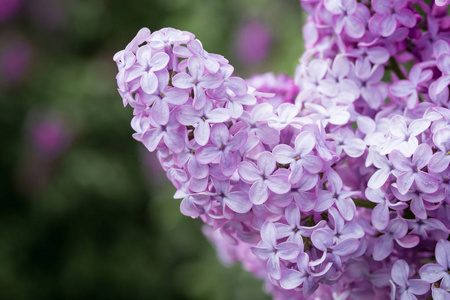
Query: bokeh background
x,y
85,211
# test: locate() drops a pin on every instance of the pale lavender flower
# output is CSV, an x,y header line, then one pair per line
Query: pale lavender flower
x,y
441,159
273,252
404,138
390,13
202,119
335,251
368,79
396,231
439,271
408,288
221,148
164,96
293,230
234,200
300,157
408,89
409,172
149,63
346,141
172,134
417,198
380,213
198,81
345,18
263,178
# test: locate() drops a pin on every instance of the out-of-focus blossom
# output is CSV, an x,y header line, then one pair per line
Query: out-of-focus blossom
x,y
253,42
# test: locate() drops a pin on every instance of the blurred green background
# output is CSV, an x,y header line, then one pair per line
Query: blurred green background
x,y
86,213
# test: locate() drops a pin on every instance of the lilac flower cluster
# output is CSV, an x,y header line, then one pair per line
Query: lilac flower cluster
x,y
334,184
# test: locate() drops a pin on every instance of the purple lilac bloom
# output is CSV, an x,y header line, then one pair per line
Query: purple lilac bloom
x,y
277,167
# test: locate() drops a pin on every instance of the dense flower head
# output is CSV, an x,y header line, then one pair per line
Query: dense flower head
x,y
334,184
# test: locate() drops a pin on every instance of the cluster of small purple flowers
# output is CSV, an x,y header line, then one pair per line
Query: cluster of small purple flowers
x,y
334,184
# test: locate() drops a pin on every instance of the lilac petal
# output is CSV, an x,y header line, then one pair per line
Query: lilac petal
x,y
381,6
400,273
305,201
149,82
269,233
196,67
160,112
378,178
278,184
398,126
219,115
312,164
174,141
408,241
151,138
219,134
266,163
228,163
432,272
237,141
273,266
378,55
237,85
288,250
292,215
304,143
354,27
347,208
324,201
346,247
238,202
418,126
176,96
248,172
202,133
188,116
418,287
290,279
339,117
188,208
183,81
442,83
426,182
406,17
443,253
443,63
388,24
207,154
321,239
196,169
159,61
380,216
355,147
262,253
383,247
283,230
442,139
211,81
404,182
283,154
437,293
296,172
422,155
258,192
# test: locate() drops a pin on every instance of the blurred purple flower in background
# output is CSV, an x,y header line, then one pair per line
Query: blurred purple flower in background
x,y
253,42
8,8
16,53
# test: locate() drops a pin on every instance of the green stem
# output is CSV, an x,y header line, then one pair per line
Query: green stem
x,y
393,65
364,203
